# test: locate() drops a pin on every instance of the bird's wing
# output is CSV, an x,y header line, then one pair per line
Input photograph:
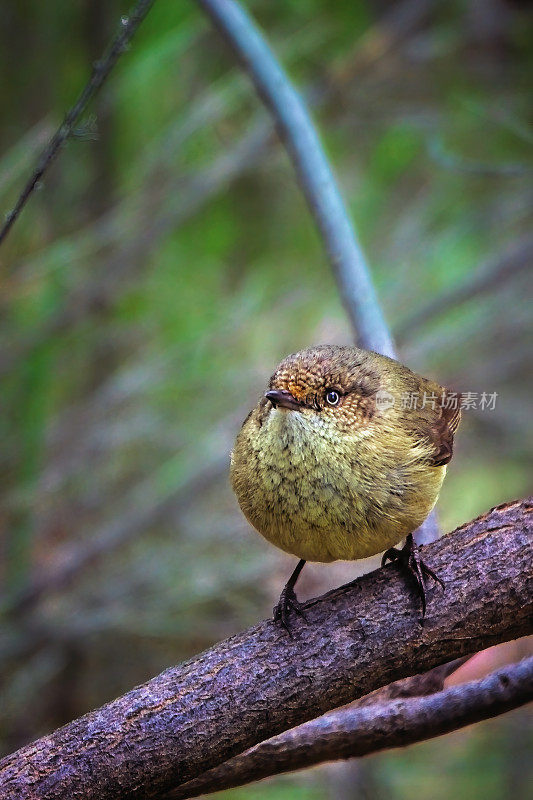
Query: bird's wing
x,y
444,427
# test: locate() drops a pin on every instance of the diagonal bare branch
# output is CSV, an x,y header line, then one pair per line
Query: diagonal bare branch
x,y
257,684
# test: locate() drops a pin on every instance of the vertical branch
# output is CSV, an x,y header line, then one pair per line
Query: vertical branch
x,y
315,175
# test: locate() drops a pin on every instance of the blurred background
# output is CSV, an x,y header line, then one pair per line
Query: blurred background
x,y
165,266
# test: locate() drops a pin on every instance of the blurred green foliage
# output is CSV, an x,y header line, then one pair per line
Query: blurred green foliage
x,y
164,268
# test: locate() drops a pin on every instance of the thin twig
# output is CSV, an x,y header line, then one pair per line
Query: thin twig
x,y
515,258
122,267
100,72
448,160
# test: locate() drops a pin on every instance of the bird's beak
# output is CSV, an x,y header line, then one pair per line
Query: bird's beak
x,y
281,398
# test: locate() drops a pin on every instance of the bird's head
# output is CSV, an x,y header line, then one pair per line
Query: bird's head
x,y
337,383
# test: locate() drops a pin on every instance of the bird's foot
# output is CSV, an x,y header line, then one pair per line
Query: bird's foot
x,y
409,558
287,602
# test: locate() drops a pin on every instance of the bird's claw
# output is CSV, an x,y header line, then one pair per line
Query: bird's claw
x,y
409,558
392,554
287,602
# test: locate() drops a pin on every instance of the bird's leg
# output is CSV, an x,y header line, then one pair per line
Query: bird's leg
x,y
409,558
288,601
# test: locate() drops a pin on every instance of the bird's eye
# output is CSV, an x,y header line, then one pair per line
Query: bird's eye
x,y
332,397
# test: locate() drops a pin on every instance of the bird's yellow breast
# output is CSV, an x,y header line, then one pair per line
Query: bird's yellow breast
x,y
323,496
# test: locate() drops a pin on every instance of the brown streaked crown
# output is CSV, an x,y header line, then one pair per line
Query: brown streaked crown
x,y
310,374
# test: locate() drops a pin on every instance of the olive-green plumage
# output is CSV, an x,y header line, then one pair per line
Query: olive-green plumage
x,y
338,464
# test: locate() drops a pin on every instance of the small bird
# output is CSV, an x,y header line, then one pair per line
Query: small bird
x,y
343,457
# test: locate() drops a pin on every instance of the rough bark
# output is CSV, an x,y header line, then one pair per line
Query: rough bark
x,y
358,731
254,685
414,686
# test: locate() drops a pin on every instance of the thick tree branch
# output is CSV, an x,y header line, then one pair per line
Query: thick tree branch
x,y
259,683
234,771
359,731
100,73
